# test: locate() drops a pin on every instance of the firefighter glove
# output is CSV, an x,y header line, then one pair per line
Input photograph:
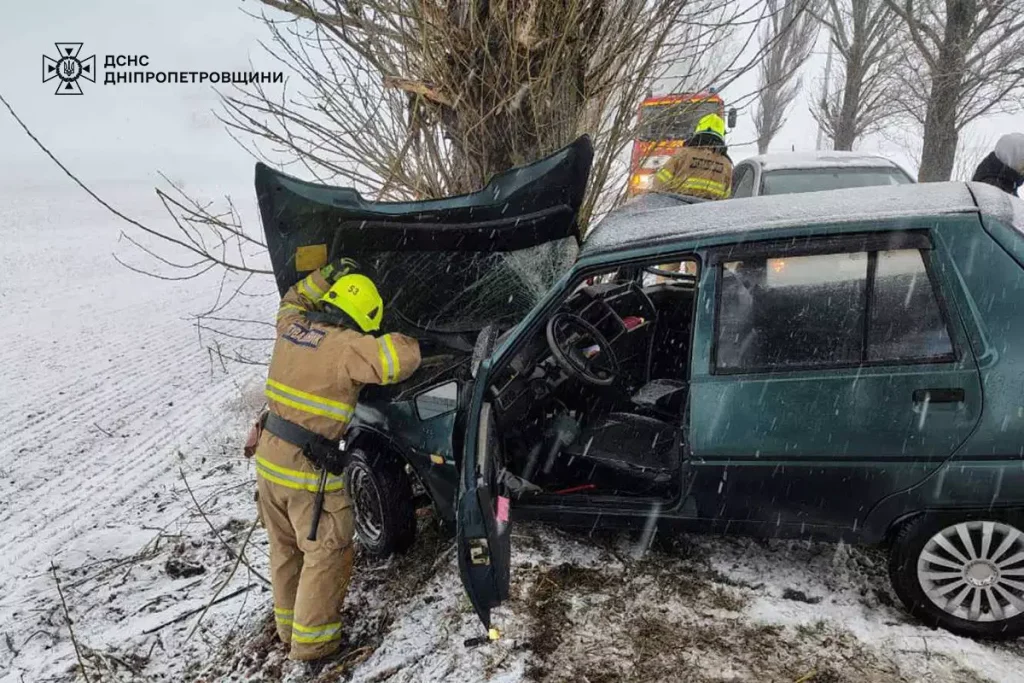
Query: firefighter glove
x,y
339,268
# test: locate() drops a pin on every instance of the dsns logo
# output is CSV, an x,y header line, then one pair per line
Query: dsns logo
x,y
68,67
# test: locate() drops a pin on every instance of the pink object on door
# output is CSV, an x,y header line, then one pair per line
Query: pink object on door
x,y
502,512
632,321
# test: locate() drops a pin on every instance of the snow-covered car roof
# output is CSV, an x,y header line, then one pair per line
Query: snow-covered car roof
x,y
647,220
829,159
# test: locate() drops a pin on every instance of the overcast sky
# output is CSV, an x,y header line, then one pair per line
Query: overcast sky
x,y
127,133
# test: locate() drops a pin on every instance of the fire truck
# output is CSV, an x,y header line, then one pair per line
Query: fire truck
x,y
664,124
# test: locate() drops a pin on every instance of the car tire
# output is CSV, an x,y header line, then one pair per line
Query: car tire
x,y
949,575
381,493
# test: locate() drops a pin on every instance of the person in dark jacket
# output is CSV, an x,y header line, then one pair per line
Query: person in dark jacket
x,y
1004,167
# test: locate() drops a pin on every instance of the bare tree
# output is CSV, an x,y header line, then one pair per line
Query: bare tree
x,y
414,99
788,35
860,98
963,61
411,99
973,146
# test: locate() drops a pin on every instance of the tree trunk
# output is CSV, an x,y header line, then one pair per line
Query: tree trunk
x,y
940,123
940,137
846,125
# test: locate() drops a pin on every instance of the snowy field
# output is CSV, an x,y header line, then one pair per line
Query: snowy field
x,y
125,503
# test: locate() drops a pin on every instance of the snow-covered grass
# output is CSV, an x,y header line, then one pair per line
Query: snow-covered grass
x,y
116,417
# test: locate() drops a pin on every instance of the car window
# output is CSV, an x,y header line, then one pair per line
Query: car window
x,y
905,322
811,311
743,183
794,311
790,181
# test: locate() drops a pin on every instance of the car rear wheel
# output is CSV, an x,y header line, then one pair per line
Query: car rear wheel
x,y
385,520
962,573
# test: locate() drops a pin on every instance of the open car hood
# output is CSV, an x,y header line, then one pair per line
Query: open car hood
x,y
448,266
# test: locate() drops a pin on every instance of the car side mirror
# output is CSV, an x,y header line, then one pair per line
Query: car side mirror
x,y
440,400
731,120
485,343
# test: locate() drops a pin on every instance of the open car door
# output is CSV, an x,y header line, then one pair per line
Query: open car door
x,y
483,524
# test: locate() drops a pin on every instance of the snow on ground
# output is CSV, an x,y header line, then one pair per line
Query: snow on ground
x,y
108,397
112,404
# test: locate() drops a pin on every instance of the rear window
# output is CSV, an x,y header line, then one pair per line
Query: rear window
x,y
791,181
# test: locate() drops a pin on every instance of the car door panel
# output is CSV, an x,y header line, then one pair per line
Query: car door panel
x,y
483,517
821,446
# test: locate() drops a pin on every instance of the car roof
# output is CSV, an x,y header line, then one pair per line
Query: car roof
x,y
823,159
649,220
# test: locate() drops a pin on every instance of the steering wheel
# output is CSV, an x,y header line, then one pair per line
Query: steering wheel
x,y
582,350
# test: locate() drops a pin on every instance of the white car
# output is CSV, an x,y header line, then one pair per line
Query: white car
x,y
789,173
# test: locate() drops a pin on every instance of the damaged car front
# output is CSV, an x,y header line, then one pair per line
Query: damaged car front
x,y
455,273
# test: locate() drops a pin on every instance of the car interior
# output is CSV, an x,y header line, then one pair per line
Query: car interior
x,y
594,403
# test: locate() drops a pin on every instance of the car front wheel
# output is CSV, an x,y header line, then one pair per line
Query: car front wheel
x,y
379,487
964,574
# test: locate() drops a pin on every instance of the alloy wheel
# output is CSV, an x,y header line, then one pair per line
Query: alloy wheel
x,y
974,570
369,512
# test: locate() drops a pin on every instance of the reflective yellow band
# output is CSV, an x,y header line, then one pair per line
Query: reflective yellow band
x,y
283,616
713,186
664,175
307,407
298,393
296,479
310,288
286,308
308,403
315,634
389,364
394,356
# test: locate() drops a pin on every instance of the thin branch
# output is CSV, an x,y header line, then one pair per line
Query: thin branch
x,y
231,575
186,615
67,618
240,555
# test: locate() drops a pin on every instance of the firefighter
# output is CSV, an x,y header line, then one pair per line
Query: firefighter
x,y
702,168
324,353
1004,167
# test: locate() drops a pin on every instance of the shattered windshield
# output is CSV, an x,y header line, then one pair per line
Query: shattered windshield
x,y
452,292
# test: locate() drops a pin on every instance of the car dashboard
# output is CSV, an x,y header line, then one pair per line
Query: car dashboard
x,y
620,311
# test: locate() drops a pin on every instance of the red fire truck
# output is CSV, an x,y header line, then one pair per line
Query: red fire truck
x,y
664,124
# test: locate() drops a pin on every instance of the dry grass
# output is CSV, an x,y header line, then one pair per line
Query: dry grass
x,y
670,617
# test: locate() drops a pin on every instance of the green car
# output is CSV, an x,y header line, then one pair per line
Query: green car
x,y
843,365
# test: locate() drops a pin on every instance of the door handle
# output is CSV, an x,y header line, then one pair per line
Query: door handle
x,y
941,395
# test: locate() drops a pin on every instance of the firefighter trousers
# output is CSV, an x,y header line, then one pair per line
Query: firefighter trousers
x,y
310,578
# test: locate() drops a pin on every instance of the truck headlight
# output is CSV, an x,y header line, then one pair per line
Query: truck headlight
x,y
642,181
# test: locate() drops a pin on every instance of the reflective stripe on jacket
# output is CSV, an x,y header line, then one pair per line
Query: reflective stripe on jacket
x,y
696,171
316,373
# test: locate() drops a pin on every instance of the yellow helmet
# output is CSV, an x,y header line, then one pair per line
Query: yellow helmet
x,y
711,123
357,297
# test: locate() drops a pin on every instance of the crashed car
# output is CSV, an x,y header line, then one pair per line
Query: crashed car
x,y
844,365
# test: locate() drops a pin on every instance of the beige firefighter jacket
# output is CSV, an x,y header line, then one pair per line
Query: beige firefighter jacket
x,y
316,373
696,171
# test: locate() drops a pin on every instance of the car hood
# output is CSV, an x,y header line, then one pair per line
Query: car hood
x,y
448,266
